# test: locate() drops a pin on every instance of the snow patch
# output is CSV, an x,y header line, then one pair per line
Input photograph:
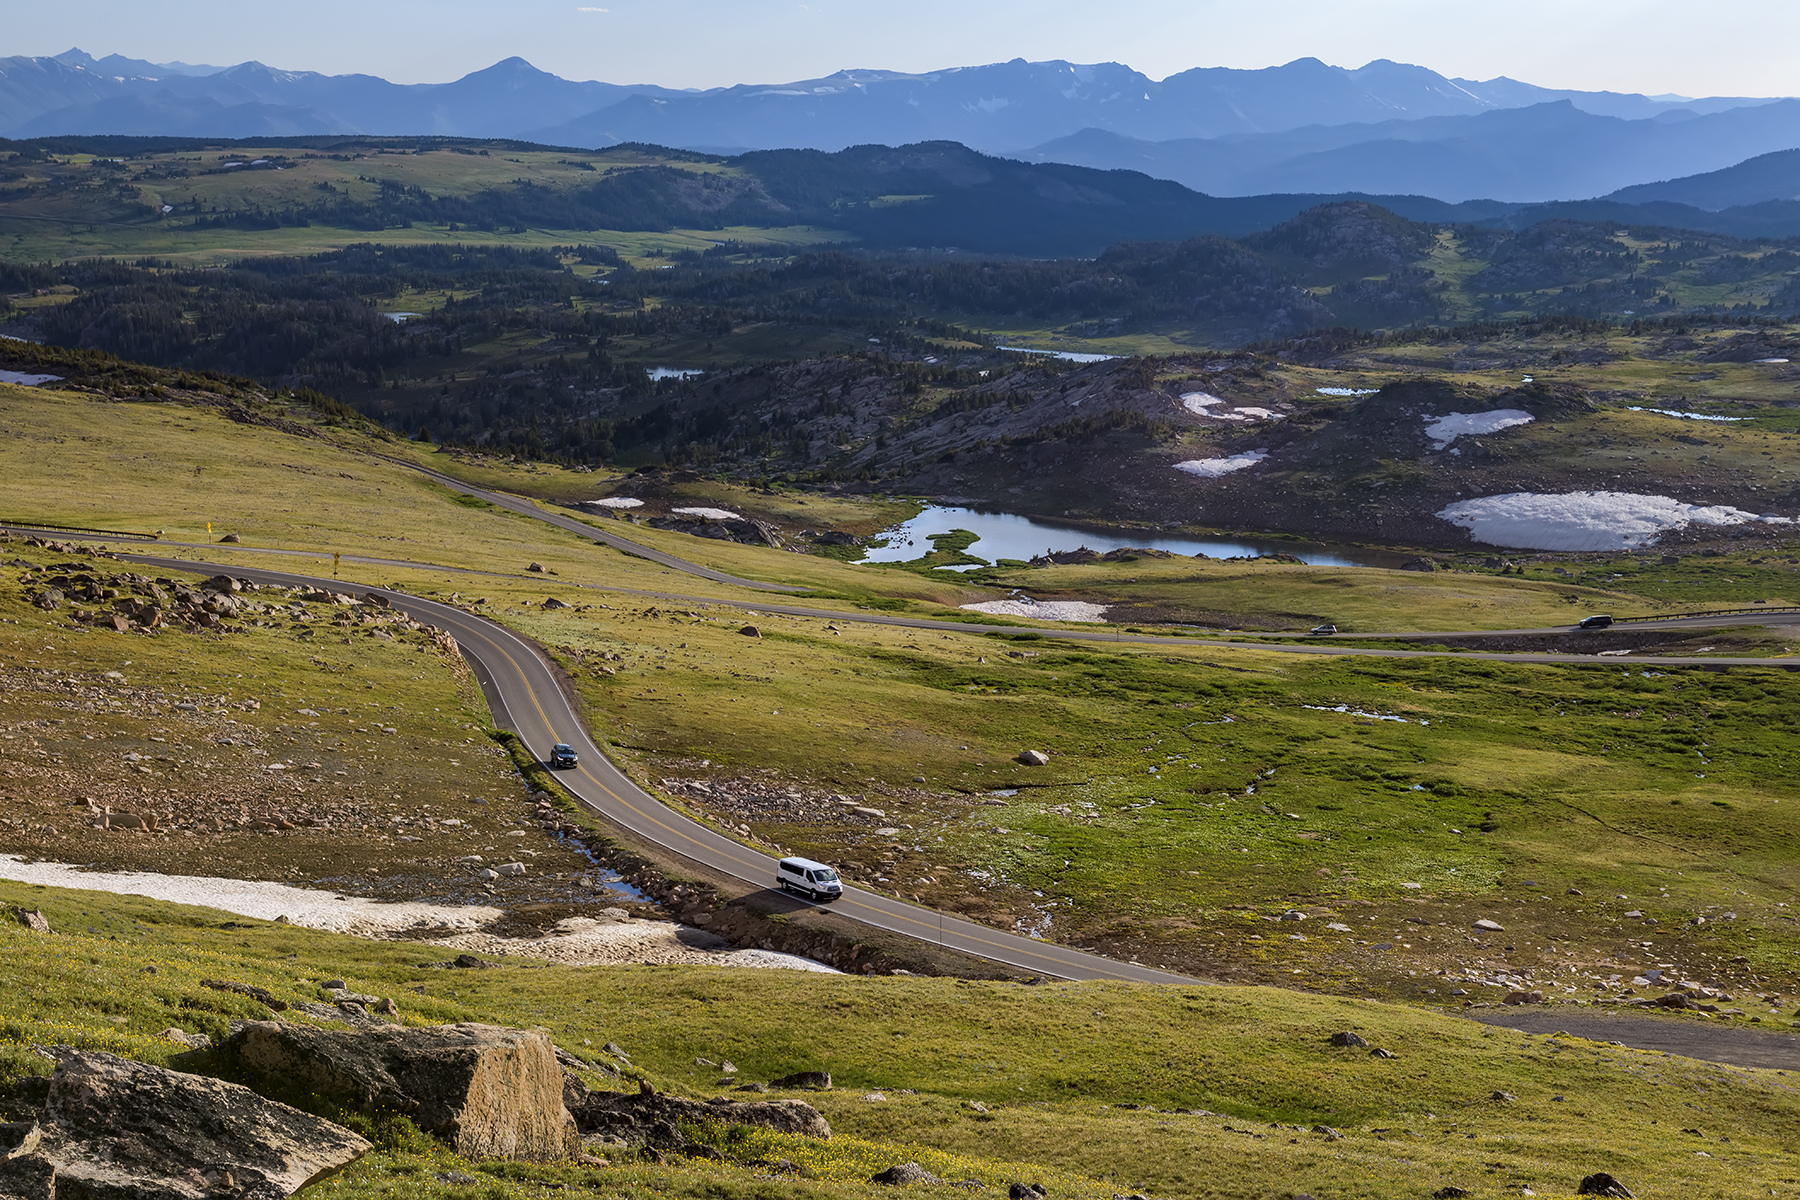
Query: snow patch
x,y
1046,610
1585,520
613,502
711,514
1446,429
25,380
1199,402
306,907
1346,391
1212,468
1685,416
577,941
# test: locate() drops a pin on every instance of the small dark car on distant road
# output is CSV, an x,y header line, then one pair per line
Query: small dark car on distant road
x,y
1597,621
1322,630
562,756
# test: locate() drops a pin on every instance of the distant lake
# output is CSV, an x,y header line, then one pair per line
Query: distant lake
x,y
1007,535
1065,355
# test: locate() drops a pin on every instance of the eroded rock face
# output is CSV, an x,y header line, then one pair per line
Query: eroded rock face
x,y
113,1129
488,1091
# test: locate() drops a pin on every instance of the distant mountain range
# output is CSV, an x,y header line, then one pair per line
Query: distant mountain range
x,y
1552,151
1385,129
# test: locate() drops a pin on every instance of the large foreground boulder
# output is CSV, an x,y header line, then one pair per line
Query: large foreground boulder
x,y
488,1091
113,1129
650,1118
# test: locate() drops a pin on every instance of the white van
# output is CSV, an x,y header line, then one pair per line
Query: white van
x,y
808,878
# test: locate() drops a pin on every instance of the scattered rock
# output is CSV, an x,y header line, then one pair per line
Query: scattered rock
x,y
1516,998
1449,1192
488,1091
1602,1184
653,1119
261,995
116,1128
31,918
554,603
751,631
905,1173
230,539
1328,1131
1378,1052
1487,926
1033,758
509,869
1503,1097
1346,1038
1025,1191
193,1041
818,1081
536,568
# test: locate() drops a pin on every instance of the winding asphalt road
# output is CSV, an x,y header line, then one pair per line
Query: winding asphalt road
x,y
526,508
525,694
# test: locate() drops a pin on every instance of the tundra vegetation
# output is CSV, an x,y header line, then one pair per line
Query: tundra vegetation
x,y
1325,831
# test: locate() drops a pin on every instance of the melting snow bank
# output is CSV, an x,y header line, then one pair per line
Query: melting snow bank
x,y
1685,416
613,502
1446,429
1212,468
1586,520
306,907
1046,610
1346,391
1199,402
711,514
21,378
578,941
1359,712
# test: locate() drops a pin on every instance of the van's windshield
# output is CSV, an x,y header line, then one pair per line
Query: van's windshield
x,y
825,875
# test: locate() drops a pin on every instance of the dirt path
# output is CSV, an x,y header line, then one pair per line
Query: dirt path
x,y
1686,1036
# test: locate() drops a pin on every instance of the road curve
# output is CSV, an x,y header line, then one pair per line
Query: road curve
x,y
525,695
526,508
1342,645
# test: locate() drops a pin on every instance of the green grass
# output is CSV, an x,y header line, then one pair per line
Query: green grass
x,y
1564,774
1082,1082
1142,835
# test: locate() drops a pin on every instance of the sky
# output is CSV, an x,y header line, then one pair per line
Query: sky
x,y
1726,47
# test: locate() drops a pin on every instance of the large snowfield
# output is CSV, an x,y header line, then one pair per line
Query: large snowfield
x,y
1585,520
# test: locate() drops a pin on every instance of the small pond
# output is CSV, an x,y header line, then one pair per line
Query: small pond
x,y
1007,535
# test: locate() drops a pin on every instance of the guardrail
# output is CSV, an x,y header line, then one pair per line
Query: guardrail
x,y
1713,612
39,525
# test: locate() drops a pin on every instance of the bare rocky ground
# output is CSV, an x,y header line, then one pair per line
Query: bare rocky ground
x,y
1615,956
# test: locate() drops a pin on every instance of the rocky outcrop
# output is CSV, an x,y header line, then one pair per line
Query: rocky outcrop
x,y
489,1092
748,530
113,1129
651,1118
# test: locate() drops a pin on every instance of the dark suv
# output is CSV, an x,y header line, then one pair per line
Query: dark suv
x,y
562,756
1597,621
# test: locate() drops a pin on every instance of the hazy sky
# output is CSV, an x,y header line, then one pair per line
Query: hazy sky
x,y
1725,47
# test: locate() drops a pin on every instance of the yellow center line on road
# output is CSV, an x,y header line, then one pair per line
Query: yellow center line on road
x,y
901,912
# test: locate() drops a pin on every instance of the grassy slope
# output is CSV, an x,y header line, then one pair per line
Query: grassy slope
x,y
80,222
1586,775
1047,1062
